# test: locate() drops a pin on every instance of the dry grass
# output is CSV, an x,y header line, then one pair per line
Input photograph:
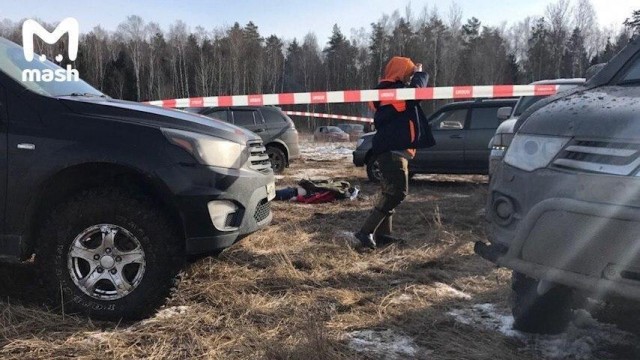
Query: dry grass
x,y
296,289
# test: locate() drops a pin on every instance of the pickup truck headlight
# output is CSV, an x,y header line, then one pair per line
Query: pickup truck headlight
x,y
532,152
209,150
359,142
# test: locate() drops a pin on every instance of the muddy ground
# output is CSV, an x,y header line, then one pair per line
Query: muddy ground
x,y
299,290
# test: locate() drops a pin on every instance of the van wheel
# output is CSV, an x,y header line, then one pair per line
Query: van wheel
x,y
549,313
373,170
109,255
277,158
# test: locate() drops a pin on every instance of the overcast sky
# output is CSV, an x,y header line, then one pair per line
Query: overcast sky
x,y
288,19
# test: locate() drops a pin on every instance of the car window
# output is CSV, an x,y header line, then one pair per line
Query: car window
x,y
218,114
484,118
450,120
272,117
633,73
243,117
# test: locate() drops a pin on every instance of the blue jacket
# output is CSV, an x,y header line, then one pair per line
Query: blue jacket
x,y
401,124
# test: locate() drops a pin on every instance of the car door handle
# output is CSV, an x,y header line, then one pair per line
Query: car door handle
x,y
25,146
455,137
259,131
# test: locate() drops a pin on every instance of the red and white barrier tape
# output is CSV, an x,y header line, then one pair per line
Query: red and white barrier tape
x,y
350,96
329,116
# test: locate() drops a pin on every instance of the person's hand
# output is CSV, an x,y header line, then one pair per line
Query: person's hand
x,y
417,68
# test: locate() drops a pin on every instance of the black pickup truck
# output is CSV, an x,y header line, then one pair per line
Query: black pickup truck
x,y
563,206
111,196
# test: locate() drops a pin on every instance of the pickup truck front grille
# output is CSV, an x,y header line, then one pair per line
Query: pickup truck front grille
x,y
258,158
615,158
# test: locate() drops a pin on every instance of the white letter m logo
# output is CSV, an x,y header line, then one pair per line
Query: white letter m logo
x,y
68,25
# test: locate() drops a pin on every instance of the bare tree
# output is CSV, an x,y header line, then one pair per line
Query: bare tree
x,y
134,36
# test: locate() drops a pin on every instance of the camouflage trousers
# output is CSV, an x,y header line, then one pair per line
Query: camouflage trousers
x,y
394,169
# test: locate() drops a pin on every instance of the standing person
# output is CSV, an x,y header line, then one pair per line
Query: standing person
x,y
401,127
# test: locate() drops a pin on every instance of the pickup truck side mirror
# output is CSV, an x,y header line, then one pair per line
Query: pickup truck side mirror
x,y
504,113
593,70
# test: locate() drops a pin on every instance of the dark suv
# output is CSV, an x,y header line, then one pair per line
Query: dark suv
x,y
276,129
563,206
462,131
111,196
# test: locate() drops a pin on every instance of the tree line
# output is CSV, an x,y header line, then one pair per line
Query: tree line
x,y
141,61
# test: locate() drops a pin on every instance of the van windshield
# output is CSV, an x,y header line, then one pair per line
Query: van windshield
x,y
13,64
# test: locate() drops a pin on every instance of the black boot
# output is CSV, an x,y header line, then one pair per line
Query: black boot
x,y
365,235
366,240
382,234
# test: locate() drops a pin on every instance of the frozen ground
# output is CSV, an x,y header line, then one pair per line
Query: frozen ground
x,y
585,337
385,344
326,151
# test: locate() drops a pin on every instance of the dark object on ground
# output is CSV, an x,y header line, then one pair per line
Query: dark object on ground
x,y
462,131
564,202
286,193
318,191
112,196
276,129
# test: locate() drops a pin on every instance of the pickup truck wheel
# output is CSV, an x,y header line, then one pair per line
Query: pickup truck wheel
x,y
277,158
549,313
109,255
373,170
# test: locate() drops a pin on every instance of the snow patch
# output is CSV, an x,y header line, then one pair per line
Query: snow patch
x,y
449,291
167,313
326,151
486,317
386,344
585,337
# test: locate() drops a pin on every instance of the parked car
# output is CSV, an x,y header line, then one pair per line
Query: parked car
x,y
111,196
509,115
563,209
461,130
330,134
354,130
276,129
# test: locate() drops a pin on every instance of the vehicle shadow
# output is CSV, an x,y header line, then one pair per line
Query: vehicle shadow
x,y
19,284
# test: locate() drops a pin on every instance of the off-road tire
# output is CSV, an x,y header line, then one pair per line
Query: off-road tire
x,y
373,170
160,241
278,159
549,313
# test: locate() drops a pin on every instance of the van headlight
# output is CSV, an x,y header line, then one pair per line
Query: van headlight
x,y
209,150
532,152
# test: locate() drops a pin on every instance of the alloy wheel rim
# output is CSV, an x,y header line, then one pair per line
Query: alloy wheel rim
x,y
106,262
